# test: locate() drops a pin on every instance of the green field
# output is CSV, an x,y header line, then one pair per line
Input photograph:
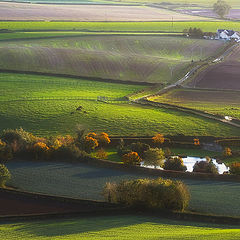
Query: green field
x,y
51,34
44,106
224,103
85,181
117,227
152,59
207,26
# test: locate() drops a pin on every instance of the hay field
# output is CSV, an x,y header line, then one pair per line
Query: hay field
x,y
49,12
224,103
154,59
108,227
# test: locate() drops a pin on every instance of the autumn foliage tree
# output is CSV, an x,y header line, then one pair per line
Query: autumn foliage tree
x,y
89,143
158,139
131,158
40,150
103,139
227,152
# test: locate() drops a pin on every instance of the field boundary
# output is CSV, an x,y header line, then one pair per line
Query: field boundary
x,y
77,77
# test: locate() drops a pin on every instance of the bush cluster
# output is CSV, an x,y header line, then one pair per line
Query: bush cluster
x,y
4,175
22,144
146,193
174,163
205,167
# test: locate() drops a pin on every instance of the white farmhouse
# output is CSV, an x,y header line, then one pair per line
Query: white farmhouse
x,y
227,35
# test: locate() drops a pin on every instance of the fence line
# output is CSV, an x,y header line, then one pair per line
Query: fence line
x,y
67,98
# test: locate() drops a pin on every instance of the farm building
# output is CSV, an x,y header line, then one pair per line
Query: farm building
x,y
227,34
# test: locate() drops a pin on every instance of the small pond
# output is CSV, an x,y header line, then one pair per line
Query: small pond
x,y
190,161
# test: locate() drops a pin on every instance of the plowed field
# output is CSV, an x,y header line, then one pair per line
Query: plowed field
x,y
224,75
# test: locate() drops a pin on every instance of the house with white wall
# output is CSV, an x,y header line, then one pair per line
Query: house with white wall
x,y
227,35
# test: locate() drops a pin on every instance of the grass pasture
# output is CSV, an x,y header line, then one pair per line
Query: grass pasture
x,y
85,181
224,103
27,101
164,26
152,59
108,227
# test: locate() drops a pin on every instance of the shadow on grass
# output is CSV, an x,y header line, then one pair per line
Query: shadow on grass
x,y
53,228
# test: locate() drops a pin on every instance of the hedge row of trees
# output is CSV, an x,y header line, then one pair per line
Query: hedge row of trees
x,y
22,144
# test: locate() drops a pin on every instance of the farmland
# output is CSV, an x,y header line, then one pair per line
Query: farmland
x,y
151,59
85,181
49,12
224,103
44,106
224,75
108,227
166,26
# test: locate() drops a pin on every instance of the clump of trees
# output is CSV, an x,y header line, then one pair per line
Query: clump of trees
x,y
205,166
20,143
149,193
131,158
175,164
154,157
221,8
194,32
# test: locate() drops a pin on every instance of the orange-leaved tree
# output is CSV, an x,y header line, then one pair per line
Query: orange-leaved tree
x,y
131,158
103,139
158,139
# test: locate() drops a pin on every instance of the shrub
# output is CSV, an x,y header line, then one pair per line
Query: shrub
x,y
196,142
205,167
101,154
68,152
235,168
18,138
158,139
103,139
92,134
40,151
227,152
167,152
89,143
158,193
4,175
5,152
154,157
174,163
140,148
131,158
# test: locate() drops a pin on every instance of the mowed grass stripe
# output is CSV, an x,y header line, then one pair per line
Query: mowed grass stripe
x,y
116,227
207,26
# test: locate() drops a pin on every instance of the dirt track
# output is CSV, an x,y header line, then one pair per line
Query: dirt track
x,y
224,75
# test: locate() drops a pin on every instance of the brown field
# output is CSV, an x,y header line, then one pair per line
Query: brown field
x,y
224,103
24,11
224,75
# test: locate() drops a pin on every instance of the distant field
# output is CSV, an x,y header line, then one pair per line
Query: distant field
x,y
108,227
48,12
225,103
169,26
59,116
85,181
151,59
